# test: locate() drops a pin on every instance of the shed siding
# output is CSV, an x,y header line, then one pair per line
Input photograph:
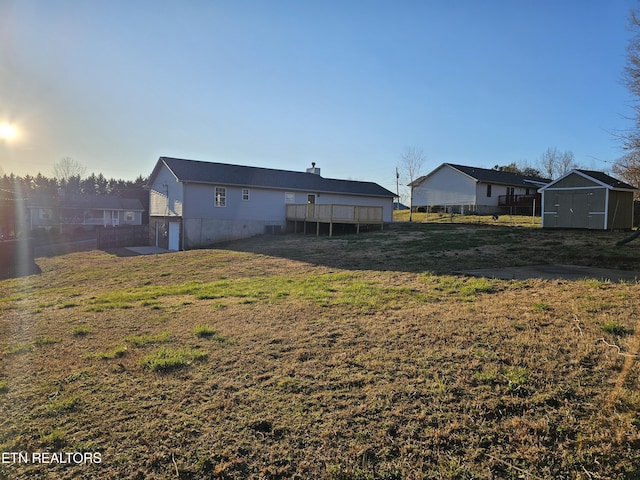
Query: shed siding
x,y
583,208
620,210
574,181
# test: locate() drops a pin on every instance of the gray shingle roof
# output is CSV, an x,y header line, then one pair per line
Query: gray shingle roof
x,y
194,171
607,180
486,175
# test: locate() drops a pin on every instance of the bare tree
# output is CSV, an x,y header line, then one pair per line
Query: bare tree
x,y
412,161
631,76
66,168
554,164
628,169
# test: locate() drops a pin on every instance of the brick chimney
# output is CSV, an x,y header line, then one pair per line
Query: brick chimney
x,y
313,169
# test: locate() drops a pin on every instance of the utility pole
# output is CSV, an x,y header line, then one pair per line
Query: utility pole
x,y
397,189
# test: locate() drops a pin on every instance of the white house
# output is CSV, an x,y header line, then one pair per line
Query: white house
x,y
195,203
463,189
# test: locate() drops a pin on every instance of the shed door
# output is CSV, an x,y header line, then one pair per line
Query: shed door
x,y
174,236
580,210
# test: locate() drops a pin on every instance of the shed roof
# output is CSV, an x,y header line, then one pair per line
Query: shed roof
x,y
601,178
487,175
195,171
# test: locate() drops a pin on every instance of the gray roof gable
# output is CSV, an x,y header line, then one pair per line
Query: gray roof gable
x,y
486,175
601,178
195,171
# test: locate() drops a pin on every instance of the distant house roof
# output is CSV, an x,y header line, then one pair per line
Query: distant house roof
x,y
487,175
84,202
598,177
194,171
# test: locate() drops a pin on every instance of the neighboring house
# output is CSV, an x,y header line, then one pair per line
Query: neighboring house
x,y
463,189
72,212
587,199
195,204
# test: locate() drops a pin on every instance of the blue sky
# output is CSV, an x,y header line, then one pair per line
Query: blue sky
x,y
347,84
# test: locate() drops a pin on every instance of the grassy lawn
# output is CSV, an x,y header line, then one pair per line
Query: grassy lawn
x,y
511,220
352,357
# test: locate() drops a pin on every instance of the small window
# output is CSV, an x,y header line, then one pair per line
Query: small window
x,y
289,197
511,191
245,194
221,197
129,216
489,190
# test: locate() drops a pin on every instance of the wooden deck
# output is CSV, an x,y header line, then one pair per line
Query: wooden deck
x,y
334,213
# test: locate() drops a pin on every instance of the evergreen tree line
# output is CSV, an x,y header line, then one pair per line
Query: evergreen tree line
x,y
73,185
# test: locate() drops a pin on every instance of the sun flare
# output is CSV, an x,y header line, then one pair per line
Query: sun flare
x,y
7,132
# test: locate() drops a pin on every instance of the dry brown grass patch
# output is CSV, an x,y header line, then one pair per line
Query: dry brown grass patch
x,y
324,364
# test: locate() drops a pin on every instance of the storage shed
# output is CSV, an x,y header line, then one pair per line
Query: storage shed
x,y
587,199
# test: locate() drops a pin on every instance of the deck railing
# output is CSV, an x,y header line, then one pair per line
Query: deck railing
x,y
334,213
518,200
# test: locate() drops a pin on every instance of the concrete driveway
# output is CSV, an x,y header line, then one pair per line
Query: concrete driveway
x,y
555,272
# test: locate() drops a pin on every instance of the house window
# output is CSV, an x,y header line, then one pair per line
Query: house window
x,y
511,191
245,194
221,197
45,214
489,190
129,216
289,197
